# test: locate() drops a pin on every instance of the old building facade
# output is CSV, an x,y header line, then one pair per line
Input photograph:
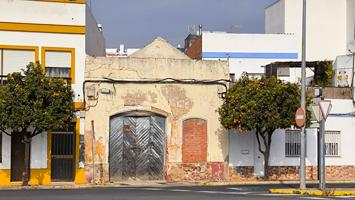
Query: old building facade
x,y
153,116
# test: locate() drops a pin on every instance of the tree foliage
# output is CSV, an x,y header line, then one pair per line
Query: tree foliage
x,y
323,74
32,103
260,105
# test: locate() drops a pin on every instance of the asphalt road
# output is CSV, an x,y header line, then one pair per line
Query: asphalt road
x,y
161,193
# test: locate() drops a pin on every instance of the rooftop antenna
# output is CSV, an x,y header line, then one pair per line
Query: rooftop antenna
x,y
191,29
200,29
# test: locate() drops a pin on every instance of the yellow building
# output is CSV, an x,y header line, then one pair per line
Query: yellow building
x,y
59,34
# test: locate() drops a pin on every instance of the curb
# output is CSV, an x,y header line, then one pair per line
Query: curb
x,y
266,183
315,192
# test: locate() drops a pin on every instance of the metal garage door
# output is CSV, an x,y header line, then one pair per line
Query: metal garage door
x,y
137,147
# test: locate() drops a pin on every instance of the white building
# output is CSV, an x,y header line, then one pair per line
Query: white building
x,y
247,53
121,52
59,34
285,149
330,31
330,25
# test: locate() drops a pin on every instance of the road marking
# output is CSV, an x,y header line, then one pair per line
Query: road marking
x,y
153,189
221,192
179,190
345,197
316,198
267,194
238,189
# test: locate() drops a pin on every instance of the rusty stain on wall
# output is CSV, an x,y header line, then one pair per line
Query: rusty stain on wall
x,y
179,103
153,97
134,99
99,149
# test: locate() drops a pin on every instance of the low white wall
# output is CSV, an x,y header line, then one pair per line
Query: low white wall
x,y
340,119
38,152
6,152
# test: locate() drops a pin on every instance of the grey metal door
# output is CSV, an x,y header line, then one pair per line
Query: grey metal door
x,y
137,147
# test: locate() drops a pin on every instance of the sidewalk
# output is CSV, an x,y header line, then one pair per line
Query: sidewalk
x,y
70,185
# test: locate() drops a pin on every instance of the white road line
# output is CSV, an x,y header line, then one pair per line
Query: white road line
x,y
238,189
153,189
179,190
345,197
267,194
221,192
315,198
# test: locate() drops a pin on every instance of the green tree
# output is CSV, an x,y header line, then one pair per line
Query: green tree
x,y
260,105
323,76
31,103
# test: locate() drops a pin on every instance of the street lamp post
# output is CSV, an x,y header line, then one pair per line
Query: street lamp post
x,y
303,100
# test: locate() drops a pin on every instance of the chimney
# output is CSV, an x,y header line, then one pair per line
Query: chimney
x,y
121,51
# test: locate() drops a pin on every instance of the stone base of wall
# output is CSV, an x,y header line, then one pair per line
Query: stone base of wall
x,y
191,172
101,173
241,173
289,173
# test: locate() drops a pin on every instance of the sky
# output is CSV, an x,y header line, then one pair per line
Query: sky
x,y
137,22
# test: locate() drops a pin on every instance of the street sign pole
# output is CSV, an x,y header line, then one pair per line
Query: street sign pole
x,y
325,107
303,101
321,154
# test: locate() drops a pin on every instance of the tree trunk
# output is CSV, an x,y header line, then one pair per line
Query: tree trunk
x,y
266,163
26,174
266,139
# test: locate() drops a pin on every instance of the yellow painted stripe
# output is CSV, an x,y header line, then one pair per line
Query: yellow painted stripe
x,y
42,28
79,105
64,1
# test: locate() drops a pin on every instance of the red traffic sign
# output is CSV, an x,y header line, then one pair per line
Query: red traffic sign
x,y
325,107
300,117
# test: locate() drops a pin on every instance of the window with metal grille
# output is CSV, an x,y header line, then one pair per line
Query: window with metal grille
x,y
292,143
332,143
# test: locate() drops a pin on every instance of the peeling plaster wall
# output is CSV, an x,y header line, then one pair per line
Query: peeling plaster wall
x,y
177,102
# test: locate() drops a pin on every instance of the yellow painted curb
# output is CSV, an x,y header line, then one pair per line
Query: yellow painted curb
x,y
315,192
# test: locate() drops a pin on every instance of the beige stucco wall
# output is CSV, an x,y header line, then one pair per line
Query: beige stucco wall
x,y
175,101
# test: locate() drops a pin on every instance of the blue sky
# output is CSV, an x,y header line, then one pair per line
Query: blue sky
x,y
137,22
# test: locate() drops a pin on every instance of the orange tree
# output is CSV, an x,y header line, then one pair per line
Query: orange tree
x,y
262,106
31,103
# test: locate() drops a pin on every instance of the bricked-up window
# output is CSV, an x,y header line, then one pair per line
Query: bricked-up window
x,y
332,143
292,143
194,143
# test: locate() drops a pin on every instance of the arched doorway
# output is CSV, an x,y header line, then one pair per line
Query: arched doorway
x,y
136,146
